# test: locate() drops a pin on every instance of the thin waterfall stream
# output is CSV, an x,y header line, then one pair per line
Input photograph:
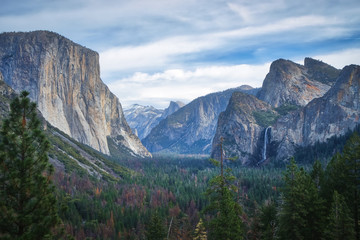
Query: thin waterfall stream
x,y
265,145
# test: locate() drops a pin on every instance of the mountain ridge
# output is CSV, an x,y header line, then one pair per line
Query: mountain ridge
x,y
331,115
191,129
142,119
292,126
292,83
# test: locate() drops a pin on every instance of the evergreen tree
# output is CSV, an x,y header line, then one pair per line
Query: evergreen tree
x,y
268,221
200,231
292,211
301,212
343,175
340,225
155,229
226,222
27,200
317,174
352,159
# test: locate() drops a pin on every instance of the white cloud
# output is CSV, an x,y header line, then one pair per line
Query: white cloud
x,y
151,55
164,53
151,36
177,84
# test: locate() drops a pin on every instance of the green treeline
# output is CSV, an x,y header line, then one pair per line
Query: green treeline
x,y
174,197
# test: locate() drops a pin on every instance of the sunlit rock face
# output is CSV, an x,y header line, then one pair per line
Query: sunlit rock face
x,y
325,103
240,132
291,83
331,115
142,119
190,129
64,79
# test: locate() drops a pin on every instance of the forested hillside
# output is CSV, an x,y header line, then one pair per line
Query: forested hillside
x,y
99,197
173,190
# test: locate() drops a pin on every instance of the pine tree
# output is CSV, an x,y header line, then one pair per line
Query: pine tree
x,y
27,200
200,231
301,211
155,229
226,222
268,221
343,175
340,225
292,212
352,158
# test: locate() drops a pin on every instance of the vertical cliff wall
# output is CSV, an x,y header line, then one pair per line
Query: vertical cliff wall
x,y
331,115
64,79
291,83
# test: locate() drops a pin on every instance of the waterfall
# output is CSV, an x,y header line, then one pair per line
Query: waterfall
x,y
265,145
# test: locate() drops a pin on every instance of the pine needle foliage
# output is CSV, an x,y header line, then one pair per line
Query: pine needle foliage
x,y
226,212
200,231
27,200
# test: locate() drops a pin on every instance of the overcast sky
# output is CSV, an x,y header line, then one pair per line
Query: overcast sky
x,y
154,51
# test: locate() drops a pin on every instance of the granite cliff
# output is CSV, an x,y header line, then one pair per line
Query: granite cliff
x,y
6,94
331,115
306,104
240,128
65,154
191,129
291,83
142,119
63,78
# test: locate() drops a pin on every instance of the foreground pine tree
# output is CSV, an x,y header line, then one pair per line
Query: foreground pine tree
x,y
301,214
27,201
226,222
340,225
155,229
343,176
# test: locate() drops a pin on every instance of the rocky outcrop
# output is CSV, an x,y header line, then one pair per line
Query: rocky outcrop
x,y
64,79
295,84
6,94
319,115
142,119
240,129
5,90
191,129
331,115
173,107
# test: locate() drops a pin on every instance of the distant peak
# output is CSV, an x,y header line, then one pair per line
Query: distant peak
x,y
246,87
177,103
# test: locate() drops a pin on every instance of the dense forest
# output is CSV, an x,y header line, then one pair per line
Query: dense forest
x,y
173,191
314,195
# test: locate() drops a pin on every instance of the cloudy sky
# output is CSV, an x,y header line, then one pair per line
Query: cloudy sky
x,y
154,51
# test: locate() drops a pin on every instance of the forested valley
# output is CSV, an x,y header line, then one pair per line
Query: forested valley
x,y
312,196
166,197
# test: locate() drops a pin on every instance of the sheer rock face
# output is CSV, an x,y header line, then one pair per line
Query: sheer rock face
x,y
190,130
320,115
142,119
333,114
291,83
173,107
239,129
5,90
64,79
6,94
